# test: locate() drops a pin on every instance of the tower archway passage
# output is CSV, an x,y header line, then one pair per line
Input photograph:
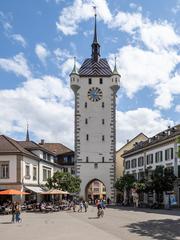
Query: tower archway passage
x,y
95,86
94,190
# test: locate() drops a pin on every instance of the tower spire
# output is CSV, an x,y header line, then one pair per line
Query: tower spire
x,y
115,71
74,71
95,45
27,133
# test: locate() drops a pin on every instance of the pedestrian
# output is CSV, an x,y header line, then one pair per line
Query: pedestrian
x,y
80,206
102,204
85,204
100,211
74,206
18,213
13,212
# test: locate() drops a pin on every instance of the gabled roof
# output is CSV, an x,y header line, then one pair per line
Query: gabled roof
x,y
30,145
166,135
9,145
124,146
93,68
56,148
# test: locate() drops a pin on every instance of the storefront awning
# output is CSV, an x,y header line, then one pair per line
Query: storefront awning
x,y
35,189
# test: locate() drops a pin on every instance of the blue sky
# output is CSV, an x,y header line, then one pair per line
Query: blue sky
x,y
39,40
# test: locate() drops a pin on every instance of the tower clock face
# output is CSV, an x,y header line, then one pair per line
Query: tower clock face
x,y
94,94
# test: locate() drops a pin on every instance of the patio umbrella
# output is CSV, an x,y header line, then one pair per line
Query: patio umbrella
x,y
12,192
56,192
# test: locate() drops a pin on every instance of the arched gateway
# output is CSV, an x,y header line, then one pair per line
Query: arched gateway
x,y
95,86
95,189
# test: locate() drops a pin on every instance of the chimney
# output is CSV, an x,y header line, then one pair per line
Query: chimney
x,y
127,140
42,142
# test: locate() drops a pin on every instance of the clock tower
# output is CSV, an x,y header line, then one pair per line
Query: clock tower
x,y
95,86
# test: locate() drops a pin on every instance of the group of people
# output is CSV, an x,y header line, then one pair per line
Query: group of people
x,y
16,212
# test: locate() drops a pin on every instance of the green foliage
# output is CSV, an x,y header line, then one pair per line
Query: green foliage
x,y
125,182
140,186
64,181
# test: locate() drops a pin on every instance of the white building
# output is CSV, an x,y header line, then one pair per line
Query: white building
x,y
25,165
160,150
95,87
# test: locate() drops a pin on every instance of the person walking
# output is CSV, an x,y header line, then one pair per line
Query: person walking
x,y
85,204
13,212
18,213
100,212
80,206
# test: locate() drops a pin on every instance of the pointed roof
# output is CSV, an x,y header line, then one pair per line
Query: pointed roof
x,y
95,30
27,133
74,71
115,71
95,45
95,69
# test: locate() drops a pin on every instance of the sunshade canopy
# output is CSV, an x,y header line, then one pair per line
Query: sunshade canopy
x,y
35,189
55,191
12,192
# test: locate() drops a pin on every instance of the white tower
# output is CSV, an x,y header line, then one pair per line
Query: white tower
x,y
95,87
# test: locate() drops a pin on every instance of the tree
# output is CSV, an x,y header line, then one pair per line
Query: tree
x,y
64,181
162,180
124,184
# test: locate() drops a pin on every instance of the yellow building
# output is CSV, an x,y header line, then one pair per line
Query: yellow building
x,y
130,144
96,190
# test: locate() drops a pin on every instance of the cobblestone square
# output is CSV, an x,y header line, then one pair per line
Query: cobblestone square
x,y
122,224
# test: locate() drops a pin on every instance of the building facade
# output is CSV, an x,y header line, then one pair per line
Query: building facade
x,y
95,86
129,145
160,150
25,166
64,155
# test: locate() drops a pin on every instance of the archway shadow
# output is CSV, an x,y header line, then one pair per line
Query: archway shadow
x,y
164,229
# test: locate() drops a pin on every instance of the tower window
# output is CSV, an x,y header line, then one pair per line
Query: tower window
x,y
102,104
102,159
96,165
102,137
103,121
86,121
101,81
87,159
87,137
85,105
90,81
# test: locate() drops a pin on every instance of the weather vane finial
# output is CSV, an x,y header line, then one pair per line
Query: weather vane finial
x,y
94,7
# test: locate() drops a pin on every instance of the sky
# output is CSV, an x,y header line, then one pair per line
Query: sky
x,y
39,39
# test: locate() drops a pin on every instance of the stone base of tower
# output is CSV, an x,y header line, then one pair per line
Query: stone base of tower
x,y
104,173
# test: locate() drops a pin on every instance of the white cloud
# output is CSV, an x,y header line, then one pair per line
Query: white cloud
x,y
176,9
128,22
62,54
17,64
177,109
151,60
145,120
140,68
45,103
19,38
71,16
42,52
67,67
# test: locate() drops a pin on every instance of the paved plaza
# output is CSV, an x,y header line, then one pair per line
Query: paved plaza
x,y
124,223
